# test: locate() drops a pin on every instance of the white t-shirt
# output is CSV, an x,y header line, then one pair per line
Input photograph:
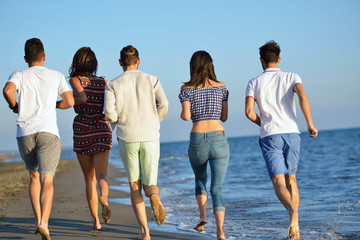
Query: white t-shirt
x,y
38,89
273,92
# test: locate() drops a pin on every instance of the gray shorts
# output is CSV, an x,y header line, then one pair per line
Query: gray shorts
x,y
40,152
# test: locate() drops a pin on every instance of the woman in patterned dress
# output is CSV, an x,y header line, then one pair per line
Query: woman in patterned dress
x,y
92,133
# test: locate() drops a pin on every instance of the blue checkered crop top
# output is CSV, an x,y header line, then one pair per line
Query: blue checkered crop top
x,y
205,103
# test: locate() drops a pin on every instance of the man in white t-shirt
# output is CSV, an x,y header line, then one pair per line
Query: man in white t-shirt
x,y
37,132
273,91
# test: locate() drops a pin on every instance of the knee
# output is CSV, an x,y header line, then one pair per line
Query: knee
x,y
47,180
150,190
216,190
34,176
101,177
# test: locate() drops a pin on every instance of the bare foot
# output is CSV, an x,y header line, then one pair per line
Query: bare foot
x,y
142,237
96,224
106,212
293,233
158,208
201,226
44,232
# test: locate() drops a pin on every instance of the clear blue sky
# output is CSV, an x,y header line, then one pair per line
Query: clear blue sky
x,y
320,40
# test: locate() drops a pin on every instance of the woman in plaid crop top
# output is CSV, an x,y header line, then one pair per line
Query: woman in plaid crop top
x,y
204,100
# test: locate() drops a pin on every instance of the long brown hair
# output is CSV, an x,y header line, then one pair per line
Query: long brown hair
x,y
201,69
84,63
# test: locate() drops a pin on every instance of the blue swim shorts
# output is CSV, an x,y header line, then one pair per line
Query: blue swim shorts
x,y
281,153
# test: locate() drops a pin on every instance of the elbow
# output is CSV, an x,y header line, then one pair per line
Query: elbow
x,y
224,118
71,103
6,91
248,113
185,117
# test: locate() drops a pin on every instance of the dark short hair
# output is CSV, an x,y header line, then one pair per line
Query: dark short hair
x,y
34,50
270,51
84,63
201,69
129,55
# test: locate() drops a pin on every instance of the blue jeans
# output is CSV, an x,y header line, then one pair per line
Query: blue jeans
x,y
209,147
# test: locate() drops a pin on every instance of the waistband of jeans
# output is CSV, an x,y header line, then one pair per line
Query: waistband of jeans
x,y
207,134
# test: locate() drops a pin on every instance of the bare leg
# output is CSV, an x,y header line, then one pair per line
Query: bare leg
x,y
138,205
287,192
34,193
219,218
100,160
88,169
153,192
291,185
201,201
46,199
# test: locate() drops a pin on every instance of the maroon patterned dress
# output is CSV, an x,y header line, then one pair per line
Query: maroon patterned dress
x,y
92,132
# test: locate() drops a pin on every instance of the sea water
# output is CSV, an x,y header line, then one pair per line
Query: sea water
x,y
328,178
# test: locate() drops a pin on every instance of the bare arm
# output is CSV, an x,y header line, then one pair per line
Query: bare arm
x,y
249,111
185,112
224,111
67,100
9,95
78,91
305,108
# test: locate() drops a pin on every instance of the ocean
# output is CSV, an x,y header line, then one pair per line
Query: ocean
x,y
328,179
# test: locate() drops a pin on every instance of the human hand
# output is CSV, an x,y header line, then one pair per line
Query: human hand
x,y
15,108
313,131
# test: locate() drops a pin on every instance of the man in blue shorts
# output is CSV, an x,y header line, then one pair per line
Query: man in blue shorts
x,y
273,92
37,132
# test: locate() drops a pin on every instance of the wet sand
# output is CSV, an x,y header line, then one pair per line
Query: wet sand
x,y
70,216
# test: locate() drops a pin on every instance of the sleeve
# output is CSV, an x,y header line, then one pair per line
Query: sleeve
x,y
63,86
184,95
162,103
14,78
225,95
110,104
250,90
296,80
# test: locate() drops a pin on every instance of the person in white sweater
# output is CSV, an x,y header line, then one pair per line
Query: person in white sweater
x,y
136,103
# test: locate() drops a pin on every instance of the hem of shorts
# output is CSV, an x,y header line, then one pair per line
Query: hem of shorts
x,y
84,153
201,192
219,209
286,174
47,172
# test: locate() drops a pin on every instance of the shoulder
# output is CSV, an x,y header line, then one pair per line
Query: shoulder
x,y
186,87
51,71
217,84
15,74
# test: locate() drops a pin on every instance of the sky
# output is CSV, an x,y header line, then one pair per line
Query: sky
x,y
319,40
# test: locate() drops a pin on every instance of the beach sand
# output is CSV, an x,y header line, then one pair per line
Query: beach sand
x,y
70,216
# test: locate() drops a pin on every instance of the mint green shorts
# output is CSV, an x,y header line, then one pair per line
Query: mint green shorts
x,y
141,161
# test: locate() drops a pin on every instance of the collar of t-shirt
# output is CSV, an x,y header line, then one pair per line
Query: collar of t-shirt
x,y
272,70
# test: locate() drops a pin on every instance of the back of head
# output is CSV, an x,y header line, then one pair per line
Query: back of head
x,y
129,55
84,63
34,50
270,52
201,69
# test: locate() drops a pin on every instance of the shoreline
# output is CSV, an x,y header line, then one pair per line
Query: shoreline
x,y
70,216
